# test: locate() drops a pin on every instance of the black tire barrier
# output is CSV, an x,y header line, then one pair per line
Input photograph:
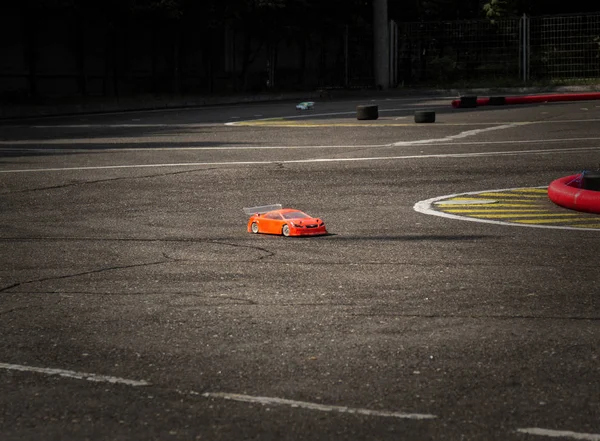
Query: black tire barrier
x,y
367,112
424,116
467,102
497,101
590,180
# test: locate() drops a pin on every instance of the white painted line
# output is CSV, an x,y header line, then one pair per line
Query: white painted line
x,y
560,434
425,208
123,126
461,135
73,374
284,118
316,406
310,161
118,141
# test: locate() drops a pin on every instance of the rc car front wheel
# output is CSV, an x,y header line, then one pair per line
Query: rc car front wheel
x,y
285,230
254,227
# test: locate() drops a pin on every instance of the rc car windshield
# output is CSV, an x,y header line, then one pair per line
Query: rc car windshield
x,y
295,215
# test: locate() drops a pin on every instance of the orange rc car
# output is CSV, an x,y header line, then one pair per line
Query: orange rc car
x,y
272,219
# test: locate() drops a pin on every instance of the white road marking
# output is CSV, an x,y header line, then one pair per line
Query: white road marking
x,y
425,208
560,434
227,396
236,147
315,406
308,161
73,374
460,135
275,119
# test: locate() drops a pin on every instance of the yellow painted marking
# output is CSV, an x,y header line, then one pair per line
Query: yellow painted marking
x,y
492,210
498,200
506,216
552,221
531,190
463,199
491,205
511,195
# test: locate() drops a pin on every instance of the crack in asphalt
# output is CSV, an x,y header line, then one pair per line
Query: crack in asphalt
x,y
252,247
100,239
165,255
99,181
444,264
236,299
18,308
96,271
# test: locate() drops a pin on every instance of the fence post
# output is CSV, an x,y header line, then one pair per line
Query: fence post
x,y
393,53
524,45
381,43
528,44
346,61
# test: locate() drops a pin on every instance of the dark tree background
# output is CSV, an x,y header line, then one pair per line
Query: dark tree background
x,y
127,47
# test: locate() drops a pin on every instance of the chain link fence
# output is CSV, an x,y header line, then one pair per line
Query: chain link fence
x,y
442,52
566,47
524,48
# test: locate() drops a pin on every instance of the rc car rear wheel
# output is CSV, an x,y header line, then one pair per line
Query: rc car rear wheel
x,y
254,227
285,230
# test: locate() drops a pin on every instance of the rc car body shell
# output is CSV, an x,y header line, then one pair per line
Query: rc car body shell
x,y
285,221
306,105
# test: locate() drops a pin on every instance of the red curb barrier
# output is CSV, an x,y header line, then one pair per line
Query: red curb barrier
x,y
529,99
567,193
465,102
532,99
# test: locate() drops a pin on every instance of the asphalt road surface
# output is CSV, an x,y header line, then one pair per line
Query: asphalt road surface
x,y
134,304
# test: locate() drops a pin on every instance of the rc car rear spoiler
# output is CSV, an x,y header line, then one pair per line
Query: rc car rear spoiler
x,y
262,209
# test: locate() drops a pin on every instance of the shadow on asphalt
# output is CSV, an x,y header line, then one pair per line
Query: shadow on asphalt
x,y
397,238
33,149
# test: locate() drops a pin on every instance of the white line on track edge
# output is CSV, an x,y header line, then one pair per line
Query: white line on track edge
x,y
560,434
74,374
420,143
315,406
227,396
308,161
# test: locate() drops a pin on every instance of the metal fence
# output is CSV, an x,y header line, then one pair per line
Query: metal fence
x,y
444,52
565,47
524,48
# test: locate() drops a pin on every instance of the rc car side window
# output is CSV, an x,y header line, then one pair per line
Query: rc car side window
x,y
273,216
296,215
